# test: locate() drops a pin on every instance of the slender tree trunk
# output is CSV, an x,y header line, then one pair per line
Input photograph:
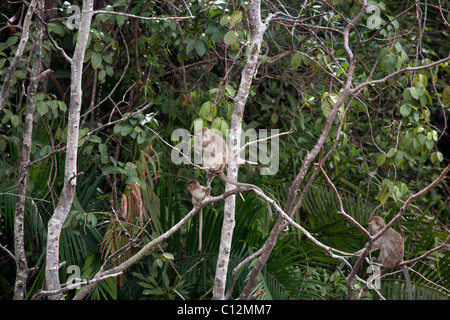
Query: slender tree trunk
x,y
19,52
70,172
293,190
22,272
234,137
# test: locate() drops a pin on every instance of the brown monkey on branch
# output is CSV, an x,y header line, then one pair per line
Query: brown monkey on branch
x,y
214,151
198,193
391,248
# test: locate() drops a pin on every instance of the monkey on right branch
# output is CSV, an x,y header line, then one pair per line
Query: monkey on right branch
x,y
391,248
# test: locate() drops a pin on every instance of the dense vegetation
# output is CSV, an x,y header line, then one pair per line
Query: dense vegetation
x,y
388,141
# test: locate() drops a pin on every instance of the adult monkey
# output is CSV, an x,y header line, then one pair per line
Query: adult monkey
x,y
391,248
214,151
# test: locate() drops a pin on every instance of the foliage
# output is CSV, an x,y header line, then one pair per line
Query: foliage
x,y
393,143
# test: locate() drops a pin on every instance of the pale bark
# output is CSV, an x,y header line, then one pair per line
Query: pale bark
x,y
22,271
149,246
234,137
70,172
293,190
19,52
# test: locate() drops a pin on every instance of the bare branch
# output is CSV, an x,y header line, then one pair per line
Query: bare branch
x,y
142,18
341,207
78,282
411,198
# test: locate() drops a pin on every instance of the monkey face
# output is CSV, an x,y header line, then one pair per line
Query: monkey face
x,y
192,184
375,225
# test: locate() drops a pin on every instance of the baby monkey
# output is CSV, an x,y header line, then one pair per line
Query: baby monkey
x,y
391,248
198,193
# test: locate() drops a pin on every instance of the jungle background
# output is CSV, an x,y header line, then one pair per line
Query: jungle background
x,y
145,76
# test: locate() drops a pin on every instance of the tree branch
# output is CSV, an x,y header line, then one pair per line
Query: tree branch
x,y
19,52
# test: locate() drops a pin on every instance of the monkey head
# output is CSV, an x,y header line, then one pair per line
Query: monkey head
x,y
376,223
193,184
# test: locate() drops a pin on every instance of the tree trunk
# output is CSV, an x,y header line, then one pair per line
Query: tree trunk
x,y
293,190
19,52
234,138
70,172
22,271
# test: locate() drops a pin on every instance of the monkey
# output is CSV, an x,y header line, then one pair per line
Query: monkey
x,y
198,193
214,151
391,248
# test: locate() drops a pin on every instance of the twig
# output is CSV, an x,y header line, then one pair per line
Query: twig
x,y
403,263
76,285
236,270
140,17
341,207
411,198
8,252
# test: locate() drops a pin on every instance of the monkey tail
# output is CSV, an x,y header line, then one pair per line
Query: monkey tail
x,y
408,281
200,229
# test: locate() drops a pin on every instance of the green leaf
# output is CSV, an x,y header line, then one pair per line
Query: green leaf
x,y
109,70
200,48
190,46
167,256
405,110
99,46
433,157
53,27
420,81
214,12
103,149
53,105
95,139
62,106
296,60
381,159
157,291
117,128
14,120
11,40
230,90
206,111
107,58
446,96
96,59
435,135
224,20
41,107
391,153
126,130
102,75
326,108
141,138
235,18
230,37
415,92
388,62
399,156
